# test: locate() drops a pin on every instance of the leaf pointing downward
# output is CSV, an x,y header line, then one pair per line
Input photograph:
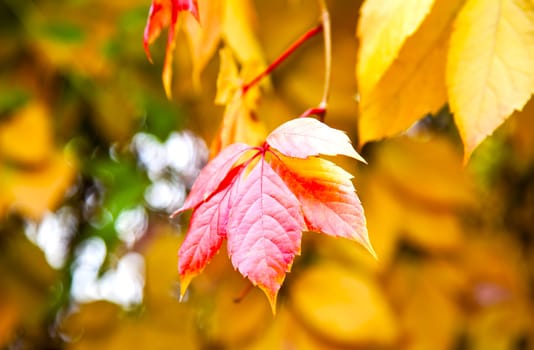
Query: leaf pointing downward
x,y
266,227
306,137
490,71
207,230
204,238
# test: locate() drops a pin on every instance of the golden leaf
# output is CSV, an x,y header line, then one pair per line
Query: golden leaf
x,y
238,31
343,306
34,192
414,84
490,65
204,37
383,28
26,137
239,123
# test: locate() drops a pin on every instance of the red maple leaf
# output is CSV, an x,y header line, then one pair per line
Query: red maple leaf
x,y
261,199
164,13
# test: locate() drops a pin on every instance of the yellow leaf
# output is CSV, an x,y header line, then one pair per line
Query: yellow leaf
x,y
34,192
204,36
26,137
240,123
342,306
383,28
238,31
414,84
233,22
228,79
490,65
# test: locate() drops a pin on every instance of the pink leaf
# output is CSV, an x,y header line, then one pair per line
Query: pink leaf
x,y
306,137
213,174
264,229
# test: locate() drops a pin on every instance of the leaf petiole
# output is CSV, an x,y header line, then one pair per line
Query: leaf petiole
x,y
298,43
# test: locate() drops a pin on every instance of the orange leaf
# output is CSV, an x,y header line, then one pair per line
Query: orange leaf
x,y
327,196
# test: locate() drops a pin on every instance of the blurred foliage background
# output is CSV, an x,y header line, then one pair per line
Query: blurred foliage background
x,y
93,159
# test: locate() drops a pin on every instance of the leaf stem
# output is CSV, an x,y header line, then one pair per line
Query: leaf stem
x,y
305,37
243,293
325,17
320,110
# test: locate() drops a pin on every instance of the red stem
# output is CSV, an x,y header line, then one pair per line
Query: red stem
x,y
305,37
243,293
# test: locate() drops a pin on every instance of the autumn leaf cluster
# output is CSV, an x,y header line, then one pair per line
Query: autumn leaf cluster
x,y
475,55
262,207
96,153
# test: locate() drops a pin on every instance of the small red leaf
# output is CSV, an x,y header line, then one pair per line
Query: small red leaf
x,y
188,5
213,174
264,229
158,18
163,13
305,137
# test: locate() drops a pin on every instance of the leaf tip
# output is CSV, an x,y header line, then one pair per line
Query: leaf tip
x,y
360,158
366,243
468,151
147,49
167,83
272,296
185,280
371,250
194,11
